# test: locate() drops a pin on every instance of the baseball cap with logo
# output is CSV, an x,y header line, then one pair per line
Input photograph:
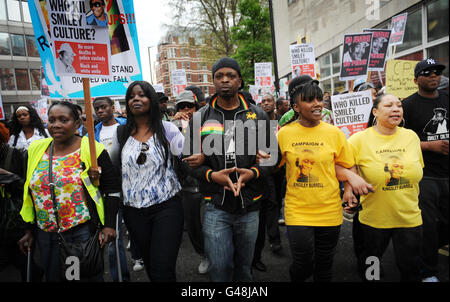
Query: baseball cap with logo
x,y
427,64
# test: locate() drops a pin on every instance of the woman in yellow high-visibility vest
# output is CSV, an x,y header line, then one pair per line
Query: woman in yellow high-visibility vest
x,y
81,206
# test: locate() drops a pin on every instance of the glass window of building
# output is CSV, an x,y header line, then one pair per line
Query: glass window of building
x,y
437,19
440,53
2,10
35,79
188,65
25,12
189,77
5,48
339,86
7,79
205,78
324,65
32,49
18,45
413,31
336,60
22,79
13,10
326,85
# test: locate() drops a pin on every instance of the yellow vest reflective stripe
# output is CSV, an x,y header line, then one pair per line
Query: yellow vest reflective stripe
x,y
35,153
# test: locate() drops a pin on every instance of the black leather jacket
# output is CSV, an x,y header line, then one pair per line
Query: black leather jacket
x,y
203,124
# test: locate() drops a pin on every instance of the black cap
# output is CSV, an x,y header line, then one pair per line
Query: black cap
x,y
298,81
162,96
227,62
425,64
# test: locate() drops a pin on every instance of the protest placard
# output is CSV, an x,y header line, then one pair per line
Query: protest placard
x,y
41,107
254,91
159,88
398,25
378,51
400,78
2,112
123,44
355,57
179,82
303,60
81,49
263,74
351,111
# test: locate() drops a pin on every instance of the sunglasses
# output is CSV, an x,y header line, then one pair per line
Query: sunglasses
x,y
184,105
142,156
428,72
96,4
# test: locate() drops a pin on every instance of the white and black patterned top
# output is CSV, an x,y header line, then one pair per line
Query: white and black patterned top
x,y
150,183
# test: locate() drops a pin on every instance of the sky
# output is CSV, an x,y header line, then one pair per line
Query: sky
x,y
150,16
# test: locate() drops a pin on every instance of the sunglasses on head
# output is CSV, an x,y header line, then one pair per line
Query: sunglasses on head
x,y
428,72
96,4
142,156
184,105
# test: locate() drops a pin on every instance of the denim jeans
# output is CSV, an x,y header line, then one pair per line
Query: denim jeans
x,y
433,202
406,242
229,244
122,254
313,250
157,232
49,251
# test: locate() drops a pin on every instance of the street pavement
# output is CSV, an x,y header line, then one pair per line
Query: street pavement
x,y
344,269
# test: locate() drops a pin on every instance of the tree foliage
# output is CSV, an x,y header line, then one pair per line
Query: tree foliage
x,y
252,36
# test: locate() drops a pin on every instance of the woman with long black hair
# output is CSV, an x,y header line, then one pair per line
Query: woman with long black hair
x,y
26,126
152,211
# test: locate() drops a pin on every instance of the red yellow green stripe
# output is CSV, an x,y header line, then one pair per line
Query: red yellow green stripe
x,y
208,198
241,98
254,169
211,128
257,197
208,175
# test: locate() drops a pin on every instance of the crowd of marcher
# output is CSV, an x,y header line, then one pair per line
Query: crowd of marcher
x,y
228,171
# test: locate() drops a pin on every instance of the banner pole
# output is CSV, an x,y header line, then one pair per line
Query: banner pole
x,y
90,125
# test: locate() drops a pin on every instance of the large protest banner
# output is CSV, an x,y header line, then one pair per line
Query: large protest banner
x,y
303,60
351,111
263,74
398,25
400,78
355,57
123,45
378,52
179,82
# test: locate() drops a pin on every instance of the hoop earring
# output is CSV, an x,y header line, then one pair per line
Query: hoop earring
x,y
374,122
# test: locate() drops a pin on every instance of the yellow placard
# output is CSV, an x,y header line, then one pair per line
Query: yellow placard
x,y
400,78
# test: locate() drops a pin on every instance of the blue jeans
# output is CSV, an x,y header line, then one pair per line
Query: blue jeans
x,y
229,244
122,255
49,251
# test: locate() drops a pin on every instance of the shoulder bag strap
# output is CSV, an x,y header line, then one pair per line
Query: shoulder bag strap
x,y
7,164
52,185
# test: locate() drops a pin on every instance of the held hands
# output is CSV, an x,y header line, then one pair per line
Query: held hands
x,y
106,235
195,160
350,201
359,185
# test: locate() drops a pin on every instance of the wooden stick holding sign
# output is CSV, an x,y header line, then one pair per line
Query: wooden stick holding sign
x,y
90,126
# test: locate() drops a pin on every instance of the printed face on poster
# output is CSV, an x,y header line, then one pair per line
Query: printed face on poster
x,y
121,40
380,43
351,111
81,49
303,60
355,57
398,26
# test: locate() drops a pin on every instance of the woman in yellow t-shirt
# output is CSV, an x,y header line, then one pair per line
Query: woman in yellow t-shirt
x,y
311,148
389,157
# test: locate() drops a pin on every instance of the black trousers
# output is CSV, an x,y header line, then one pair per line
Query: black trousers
x,y
192,217
313,249
157,232
406,242
433,201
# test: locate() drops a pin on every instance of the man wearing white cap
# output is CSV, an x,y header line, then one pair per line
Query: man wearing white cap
x,y
65,59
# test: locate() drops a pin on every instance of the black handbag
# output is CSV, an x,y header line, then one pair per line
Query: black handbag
x,y
89,252
11,223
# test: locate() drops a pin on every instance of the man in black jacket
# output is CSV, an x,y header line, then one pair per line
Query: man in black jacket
x,y
229,131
